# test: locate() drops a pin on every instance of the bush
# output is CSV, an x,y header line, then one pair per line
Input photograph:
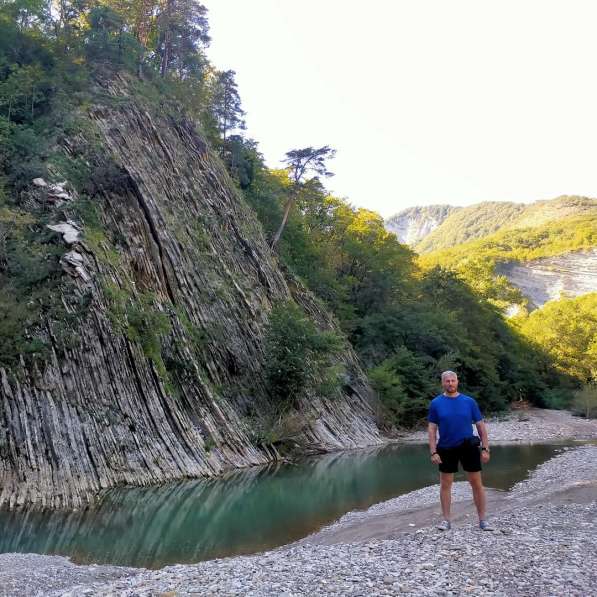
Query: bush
x,y
299,357
405,383
585,400
558,399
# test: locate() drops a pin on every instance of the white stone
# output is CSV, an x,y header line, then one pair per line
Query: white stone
x,y
69,230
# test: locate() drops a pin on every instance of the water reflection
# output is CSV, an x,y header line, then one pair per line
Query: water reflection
x,y
244,512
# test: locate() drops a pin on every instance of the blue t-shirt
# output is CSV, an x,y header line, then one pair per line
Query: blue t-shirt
x,y
454,417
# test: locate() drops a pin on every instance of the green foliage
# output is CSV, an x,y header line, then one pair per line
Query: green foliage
x,y
141,320
30,279
299,357
147,325
475,261
465,224
241,159
585,400
225,105
524,244
404,383
107,39
387,305
567,331
557,398
407,322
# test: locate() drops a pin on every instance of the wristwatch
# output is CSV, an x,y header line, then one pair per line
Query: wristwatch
x,y
485,450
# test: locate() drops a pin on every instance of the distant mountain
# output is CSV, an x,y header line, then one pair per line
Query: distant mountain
x,y
565,206
439,227
415,223
552,256
469,223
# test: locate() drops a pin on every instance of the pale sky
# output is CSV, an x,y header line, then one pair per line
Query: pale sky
x,y
426,101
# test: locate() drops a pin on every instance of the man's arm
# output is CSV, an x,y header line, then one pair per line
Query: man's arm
x,y
482,430
432,432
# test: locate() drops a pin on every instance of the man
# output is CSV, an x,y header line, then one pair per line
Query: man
x,y
453,414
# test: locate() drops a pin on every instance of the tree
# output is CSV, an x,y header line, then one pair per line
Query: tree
x,y
22,90
299,162
225,105
567,331
182,31
242,159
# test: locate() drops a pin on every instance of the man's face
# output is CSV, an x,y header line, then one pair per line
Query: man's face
x,y
450,384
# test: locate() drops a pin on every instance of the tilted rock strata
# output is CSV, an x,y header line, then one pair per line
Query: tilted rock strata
x,y
552,278
100,413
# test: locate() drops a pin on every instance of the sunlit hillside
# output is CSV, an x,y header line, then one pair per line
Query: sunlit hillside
x,y
486,218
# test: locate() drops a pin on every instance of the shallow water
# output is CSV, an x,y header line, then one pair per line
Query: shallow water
x,y
244,512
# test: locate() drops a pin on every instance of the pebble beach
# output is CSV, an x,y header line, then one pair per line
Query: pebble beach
x,y
544,542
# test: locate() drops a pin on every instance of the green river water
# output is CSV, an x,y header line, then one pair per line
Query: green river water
x,y
243,512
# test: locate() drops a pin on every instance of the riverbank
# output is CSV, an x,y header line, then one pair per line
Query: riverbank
x,y
545,543
533,425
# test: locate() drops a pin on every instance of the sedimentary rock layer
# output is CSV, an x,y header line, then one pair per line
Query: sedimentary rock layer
x,y
551,278
102,411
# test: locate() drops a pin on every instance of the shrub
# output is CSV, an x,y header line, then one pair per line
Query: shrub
x,y
556,398
299,357
585,400
405,383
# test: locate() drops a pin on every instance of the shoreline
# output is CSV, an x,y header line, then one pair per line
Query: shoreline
x,y
544,542
390,548
529,426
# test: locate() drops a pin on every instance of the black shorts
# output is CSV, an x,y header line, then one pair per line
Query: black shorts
x,y
469,457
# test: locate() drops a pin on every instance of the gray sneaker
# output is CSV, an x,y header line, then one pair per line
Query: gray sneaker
x,y
485,526
444,525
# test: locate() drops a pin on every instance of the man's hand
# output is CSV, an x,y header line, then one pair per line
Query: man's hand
x,y
484,456
436,459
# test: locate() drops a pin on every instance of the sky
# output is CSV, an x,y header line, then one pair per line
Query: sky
x,y
425,101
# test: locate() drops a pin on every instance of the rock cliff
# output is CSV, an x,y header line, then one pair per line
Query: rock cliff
x,y
164,377
415,223
542,280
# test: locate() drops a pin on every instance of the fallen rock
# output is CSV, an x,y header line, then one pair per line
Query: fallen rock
x,y
72,263
71,233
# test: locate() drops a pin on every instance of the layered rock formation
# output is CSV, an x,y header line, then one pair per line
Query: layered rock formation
x,y
413,224
552,278
180,254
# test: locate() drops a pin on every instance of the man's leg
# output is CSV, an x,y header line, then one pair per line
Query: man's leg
x,y
445,493
478,492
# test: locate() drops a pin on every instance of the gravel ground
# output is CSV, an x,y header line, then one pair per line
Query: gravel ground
x,y
541,545
528,426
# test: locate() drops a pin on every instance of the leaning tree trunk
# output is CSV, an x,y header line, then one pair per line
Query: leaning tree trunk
x,y
287,209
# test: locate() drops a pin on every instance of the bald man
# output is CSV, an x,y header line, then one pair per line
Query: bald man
x,y
452,415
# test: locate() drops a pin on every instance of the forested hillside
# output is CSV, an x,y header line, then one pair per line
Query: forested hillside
x,y
564,329
132,264
462,224
471,222
475,261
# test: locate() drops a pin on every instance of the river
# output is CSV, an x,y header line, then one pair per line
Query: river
x,y
243,512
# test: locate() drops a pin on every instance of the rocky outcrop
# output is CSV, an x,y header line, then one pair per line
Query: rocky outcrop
x,y
178,260
413,224
552,278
